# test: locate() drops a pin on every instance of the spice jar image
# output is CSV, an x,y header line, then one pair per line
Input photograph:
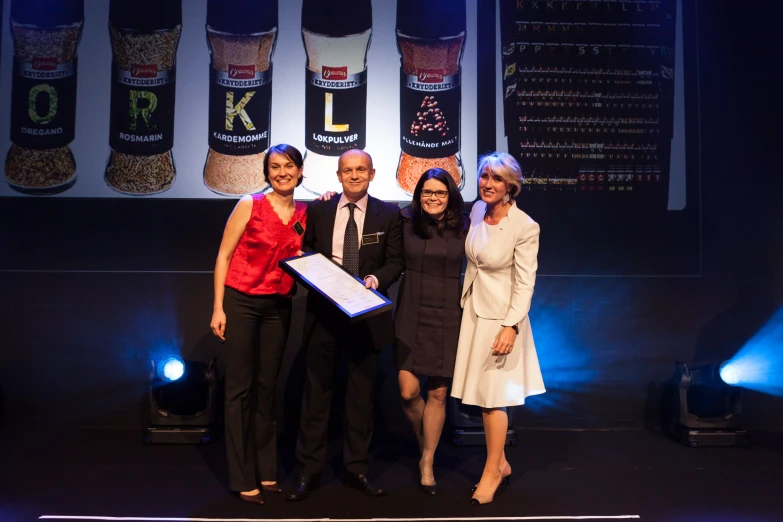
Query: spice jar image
x,y
144,37
241,37
336,85
430,40
43,95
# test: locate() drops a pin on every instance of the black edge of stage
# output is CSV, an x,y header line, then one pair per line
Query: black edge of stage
x,y
109,473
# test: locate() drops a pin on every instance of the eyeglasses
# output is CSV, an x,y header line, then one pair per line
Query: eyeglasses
x,y
440,194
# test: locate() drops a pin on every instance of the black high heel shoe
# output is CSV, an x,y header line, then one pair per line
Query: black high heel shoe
x,y
427,490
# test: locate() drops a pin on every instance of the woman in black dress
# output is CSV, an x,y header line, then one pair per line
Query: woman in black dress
x,y
428,308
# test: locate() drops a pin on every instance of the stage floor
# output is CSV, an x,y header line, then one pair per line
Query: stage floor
x,y
558,475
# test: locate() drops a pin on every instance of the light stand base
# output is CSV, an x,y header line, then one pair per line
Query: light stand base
x,y
710,437
179,435
476,437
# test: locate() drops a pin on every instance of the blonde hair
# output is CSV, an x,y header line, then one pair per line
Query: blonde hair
x,y
505,166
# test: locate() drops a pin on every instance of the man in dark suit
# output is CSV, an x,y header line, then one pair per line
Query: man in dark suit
x,y
364,235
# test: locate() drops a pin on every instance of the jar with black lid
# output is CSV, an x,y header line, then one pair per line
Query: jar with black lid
x,y
46,37
144,35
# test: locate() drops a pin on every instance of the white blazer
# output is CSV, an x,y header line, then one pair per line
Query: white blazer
x,y
503,272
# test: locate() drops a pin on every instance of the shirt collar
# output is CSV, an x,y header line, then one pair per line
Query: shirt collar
x,y
361,204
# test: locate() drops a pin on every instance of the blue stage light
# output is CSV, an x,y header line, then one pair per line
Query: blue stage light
x,y
760,359
171,368
730,373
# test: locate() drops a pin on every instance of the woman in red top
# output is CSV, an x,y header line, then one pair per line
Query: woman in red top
x,y
252,315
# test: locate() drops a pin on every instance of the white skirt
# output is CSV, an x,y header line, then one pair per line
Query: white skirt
x,y
482,379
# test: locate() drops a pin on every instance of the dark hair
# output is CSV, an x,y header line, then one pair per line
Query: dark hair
x,y
292,153
453,219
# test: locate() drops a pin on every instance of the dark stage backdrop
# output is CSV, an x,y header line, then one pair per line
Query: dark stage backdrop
x,y
627,285
599,102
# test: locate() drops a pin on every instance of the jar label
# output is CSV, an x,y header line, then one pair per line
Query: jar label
x,y
335,110
43,107
430,105
240,108
142,110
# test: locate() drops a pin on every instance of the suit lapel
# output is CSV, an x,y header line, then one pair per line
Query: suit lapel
x,y
330,211
371,225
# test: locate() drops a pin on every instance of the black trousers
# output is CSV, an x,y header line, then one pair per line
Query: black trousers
x,y
256,335
329,337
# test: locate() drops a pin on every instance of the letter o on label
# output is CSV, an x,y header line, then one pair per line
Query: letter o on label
x,y
31,103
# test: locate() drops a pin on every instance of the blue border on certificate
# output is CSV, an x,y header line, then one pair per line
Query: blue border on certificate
x,y
375,310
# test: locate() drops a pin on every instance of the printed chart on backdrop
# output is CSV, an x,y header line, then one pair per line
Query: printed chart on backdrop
x,y
181,98
591,96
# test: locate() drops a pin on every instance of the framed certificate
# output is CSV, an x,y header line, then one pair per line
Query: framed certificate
x,y
347,292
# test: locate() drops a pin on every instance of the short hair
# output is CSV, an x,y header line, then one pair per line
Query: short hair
x,y
353,151
290,152
504,165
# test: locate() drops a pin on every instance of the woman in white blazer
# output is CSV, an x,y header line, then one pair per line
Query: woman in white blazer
x,y
496,364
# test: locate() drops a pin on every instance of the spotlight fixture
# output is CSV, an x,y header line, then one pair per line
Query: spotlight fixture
x,y
730,373
171,368
707,405
182,401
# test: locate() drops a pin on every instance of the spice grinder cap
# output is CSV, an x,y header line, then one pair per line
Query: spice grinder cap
x,y
337,17
145,15
431,18
242,16
45,13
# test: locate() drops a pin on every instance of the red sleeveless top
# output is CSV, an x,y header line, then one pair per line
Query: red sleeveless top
x,y
266,240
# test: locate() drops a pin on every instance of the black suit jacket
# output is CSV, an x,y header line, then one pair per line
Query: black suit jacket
x,y
383,259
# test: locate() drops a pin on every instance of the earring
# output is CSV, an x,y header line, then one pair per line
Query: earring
x,y
506,199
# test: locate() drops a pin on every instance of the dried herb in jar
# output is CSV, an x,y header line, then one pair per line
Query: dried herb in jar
x,y
241,37
144,35
336,87
43,107
431,40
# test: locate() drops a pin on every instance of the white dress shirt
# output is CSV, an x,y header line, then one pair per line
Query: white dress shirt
x,y
341,221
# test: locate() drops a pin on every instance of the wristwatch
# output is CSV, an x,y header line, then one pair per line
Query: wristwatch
x,y
515,328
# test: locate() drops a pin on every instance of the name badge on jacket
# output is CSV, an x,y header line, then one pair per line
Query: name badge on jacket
x,y
371,239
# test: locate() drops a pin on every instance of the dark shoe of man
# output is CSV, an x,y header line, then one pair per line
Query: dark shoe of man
x,y
306,486
363,484
256,498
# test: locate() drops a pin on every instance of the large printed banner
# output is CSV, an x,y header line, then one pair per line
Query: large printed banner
x,y
181,98
591,96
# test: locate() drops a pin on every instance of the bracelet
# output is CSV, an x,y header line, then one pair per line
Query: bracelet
x,y
515,328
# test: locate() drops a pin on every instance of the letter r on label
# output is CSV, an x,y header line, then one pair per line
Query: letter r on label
x,y
142,103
